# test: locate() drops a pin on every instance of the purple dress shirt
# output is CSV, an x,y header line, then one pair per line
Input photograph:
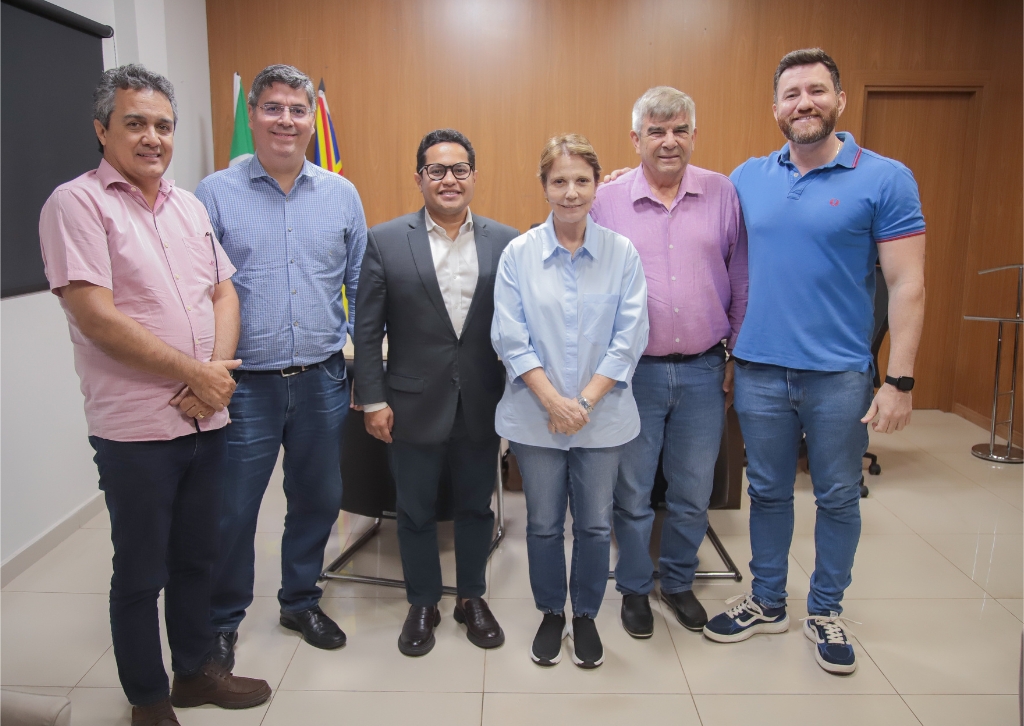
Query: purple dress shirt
x,y
694,256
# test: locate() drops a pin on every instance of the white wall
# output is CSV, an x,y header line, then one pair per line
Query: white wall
x,y
46,468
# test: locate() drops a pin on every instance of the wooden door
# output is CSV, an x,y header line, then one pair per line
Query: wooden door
x,y
933,133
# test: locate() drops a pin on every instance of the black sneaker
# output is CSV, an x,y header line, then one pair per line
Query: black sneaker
x,y
547,644
587,651
637,618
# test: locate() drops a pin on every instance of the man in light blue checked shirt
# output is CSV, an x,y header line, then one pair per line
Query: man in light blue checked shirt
x,y
296,233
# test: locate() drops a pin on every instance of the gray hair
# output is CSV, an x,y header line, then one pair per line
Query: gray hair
x,y
662,103
280,73
132,76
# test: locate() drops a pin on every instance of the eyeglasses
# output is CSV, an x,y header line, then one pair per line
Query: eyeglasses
x,y
437,172
273,110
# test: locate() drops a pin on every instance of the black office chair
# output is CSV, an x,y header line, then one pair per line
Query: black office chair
x,y
880,331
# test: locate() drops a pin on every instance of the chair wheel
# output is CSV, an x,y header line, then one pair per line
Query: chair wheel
x,y
863,491
874,470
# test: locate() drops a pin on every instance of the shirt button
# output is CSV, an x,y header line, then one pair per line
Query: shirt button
x,y
671,247
795,174
677,310
135,189
673,277
166,246
289,229
189,307
296,323
295,292
291,262
677,340
177,277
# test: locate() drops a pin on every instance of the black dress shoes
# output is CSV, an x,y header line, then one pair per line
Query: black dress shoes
x,y
689,612
223,652
318,629
482,629
636,615
417,636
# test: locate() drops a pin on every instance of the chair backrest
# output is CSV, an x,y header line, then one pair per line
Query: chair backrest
x,y
881,319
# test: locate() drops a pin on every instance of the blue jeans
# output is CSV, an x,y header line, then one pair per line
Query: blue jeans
x,y
682,412
305,413
164,502
584,479
776,407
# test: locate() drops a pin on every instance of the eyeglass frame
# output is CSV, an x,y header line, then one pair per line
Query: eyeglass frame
x,y
306,110
448,168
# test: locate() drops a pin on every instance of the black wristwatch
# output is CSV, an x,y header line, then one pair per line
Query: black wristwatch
x,y
903,383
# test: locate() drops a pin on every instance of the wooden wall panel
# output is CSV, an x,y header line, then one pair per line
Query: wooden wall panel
x,y
510,73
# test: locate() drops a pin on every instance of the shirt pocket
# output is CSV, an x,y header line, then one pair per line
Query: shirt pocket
x,y
598,318
202,258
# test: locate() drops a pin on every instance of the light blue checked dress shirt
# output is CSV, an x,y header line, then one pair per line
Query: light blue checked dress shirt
x,y
293,254
574,316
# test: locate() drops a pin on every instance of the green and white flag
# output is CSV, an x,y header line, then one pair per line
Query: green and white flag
x,y
241,139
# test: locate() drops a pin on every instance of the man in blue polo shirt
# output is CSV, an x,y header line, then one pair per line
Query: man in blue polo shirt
x,y
819,214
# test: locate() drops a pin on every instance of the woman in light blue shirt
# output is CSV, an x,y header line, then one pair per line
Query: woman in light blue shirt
x,y
570,323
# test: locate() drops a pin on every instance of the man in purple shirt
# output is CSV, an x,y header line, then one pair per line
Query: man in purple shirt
x,y
686,224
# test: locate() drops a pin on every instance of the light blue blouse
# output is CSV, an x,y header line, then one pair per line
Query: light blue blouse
x,y
574,316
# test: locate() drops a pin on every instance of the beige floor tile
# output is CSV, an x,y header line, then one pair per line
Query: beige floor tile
x,y
100,521
995,562
109,707
630,666
41,690
947,710
895,566
264,648
803,710
1010,492
593,709
714,593
273,507
942,506
768,664
371,660
51,639
104,673
940,646
1014,606
351,707
81,563
515,514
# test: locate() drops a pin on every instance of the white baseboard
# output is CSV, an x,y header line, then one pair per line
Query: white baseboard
x,y
34,550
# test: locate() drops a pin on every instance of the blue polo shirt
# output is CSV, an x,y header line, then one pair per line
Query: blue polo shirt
x,y
812,246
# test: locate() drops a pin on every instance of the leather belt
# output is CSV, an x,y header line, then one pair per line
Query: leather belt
x,y
295,370
682,357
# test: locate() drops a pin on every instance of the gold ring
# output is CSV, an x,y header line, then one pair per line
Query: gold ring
x,y
200,415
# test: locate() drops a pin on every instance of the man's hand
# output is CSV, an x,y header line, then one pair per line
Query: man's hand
x,y
890,410
380,423
352,399
566,416
191,405
212,382
727,384
615,175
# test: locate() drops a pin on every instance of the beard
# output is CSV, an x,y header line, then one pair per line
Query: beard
x,y
810,136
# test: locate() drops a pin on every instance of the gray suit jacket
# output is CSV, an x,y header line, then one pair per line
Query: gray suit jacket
x,y
429,365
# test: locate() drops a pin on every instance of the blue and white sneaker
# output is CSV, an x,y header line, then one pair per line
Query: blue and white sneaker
x,y
746,619
833,649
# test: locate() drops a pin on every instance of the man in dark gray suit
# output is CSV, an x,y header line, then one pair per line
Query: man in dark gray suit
x,y
428,279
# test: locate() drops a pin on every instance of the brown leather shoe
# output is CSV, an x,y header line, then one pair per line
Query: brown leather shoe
x,y
417,636
213,684
482,629
155,714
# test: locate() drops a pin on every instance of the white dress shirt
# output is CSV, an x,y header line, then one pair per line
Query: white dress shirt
x,y
457,269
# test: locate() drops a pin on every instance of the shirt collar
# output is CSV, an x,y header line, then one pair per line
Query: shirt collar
x,y
467,226
848,154
550,242
256,170
641,188
108,175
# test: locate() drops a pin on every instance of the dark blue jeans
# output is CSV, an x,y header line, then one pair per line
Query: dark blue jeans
x,y
583,479
682,412
164,504
776,407
304,413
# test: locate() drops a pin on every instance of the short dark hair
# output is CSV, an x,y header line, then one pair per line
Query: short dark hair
x,y
128,77
443,136
807,57
280,73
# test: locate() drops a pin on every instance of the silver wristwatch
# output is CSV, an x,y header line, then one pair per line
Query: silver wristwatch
x,y
585,404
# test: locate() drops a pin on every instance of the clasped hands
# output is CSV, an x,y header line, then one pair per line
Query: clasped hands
x,y
208,390
565,415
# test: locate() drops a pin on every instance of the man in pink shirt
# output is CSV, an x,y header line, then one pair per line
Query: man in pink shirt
x,y
154,322
687,226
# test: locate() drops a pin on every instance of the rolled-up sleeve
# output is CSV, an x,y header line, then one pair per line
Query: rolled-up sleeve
x,y
629,335
510,334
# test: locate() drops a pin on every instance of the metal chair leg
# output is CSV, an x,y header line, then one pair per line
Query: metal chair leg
x,y
731,571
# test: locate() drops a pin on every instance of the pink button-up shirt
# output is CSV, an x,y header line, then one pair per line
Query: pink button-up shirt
x,y
694,255
160,265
